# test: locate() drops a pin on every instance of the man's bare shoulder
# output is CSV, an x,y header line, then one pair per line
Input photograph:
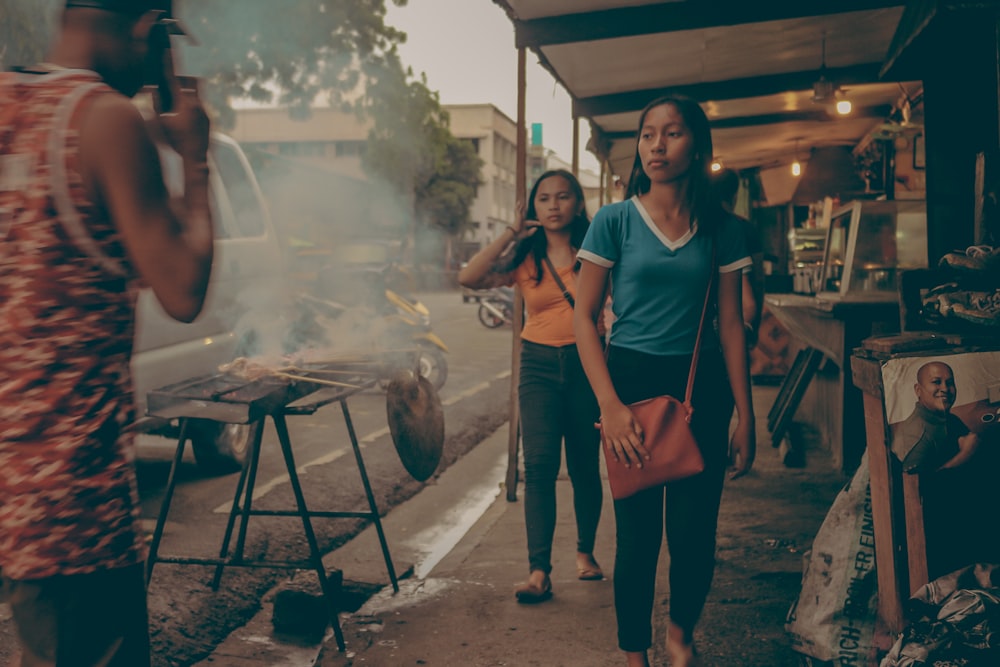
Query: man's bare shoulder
x,y
113,116
113,135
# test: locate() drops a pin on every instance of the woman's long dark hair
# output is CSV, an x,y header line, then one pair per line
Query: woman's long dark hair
x,y
703,203
536,244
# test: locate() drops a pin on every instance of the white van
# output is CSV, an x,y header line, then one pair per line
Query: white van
x,y
248,261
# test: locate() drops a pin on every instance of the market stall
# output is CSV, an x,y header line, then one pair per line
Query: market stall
x,y
867,245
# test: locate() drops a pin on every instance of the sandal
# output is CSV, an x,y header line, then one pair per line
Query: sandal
x,y
589,572
530,593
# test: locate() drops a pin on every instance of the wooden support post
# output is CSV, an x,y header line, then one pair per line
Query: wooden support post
x,y
520,189
602,188
890,587
576,146
916,541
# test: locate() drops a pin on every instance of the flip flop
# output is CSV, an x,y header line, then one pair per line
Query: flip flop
x,y
589,573
528,593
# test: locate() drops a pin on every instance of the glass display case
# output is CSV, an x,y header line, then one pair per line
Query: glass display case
x,y
806,247
868,244
805,258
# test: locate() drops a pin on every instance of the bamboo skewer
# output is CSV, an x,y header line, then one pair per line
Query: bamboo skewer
x,y
319,371
303,378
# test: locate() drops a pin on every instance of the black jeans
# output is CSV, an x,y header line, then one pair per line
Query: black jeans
x,y
557,403
688,509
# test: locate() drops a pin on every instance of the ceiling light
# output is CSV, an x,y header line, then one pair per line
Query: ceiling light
x,y
844,107
823,89
796,165
716,165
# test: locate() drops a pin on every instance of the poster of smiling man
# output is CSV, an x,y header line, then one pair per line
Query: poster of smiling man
x,y
944,417
942,409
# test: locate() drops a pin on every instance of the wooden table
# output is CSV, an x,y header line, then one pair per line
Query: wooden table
x,y
833,406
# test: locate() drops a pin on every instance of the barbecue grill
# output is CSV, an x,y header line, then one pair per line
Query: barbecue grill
x,y
233,399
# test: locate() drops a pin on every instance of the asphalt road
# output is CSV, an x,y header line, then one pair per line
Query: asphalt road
x,y
188,619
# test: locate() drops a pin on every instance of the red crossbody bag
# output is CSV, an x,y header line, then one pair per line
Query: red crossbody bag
x,y
666,425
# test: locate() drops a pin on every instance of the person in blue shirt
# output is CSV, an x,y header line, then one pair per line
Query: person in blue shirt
x,y
656,251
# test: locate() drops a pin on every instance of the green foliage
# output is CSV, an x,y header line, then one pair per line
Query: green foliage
x,y
411,147
289,53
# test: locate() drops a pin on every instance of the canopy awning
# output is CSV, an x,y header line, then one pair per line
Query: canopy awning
x,y
752,65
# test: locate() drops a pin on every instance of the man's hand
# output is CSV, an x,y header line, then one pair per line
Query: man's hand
x,y
967,446
186,128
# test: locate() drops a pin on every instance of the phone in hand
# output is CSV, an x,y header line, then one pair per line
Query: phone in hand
x,y
159,66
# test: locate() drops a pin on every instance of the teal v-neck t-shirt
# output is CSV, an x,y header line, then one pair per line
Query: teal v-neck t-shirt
x,y
658,285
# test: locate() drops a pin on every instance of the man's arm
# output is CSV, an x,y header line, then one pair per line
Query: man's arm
x,y
172,251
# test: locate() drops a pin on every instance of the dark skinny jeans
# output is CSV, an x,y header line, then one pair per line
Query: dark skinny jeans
x,y
557,404
688,509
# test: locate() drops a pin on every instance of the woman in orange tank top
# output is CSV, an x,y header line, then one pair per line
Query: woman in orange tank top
x,y
556,402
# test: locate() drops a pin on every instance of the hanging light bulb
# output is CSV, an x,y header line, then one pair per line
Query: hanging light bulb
x,y
716,166
796,165
844,107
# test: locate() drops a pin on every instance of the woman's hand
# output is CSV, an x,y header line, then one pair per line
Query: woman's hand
x,y
623,436
522,227
742,449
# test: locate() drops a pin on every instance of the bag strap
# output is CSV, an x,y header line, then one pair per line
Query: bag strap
x,y
562,285
701,327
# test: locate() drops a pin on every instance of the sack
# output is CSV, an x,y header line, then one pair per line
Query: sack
x,y
833,619
667,436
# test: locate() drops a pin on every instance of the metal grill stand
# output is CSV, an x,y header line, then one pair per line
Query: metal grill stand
x,y
252,403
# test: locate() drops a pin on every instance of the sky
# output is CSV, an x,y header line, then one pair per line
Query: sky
x,y
466,48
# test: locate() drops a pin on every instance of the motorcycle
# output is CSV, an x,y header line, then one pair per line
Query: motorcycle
x,y
412,321
497,307
365,311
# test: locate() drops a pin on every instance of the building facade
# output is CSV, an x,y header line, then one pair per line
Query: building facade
x,y
335,142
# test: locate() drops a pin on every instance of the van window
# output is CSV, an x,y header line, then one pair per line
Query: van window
x,y
173,174
240,191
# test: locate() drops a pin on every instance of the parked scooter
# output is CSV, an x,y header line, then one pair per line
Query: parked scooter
x,y
358,308
412,321
497,307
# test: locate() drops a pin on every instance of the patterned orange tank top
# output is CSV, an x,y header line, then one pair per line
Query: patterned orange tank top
x,y
68,495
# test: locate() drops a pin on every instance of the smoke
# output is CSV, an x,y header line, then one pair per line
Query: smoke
x,y
26,29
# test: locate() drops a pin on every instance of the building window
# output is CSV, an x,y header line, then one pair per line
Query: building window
x,y
350,148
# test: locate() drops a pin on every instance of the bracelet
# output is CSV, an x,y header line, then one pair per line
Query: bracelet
x,y
512,230
196,167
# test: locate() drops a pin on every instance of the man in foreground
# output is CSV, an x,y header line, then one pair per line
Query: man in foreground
x,y
85,219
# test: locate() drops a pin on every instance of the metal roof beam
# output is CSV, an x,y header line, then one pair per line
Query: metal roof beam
x,y
675,16
819,115
757,86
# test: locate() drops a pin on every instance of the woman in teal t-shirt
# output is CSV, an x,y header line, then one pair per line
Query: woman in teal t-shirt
x,y
656,250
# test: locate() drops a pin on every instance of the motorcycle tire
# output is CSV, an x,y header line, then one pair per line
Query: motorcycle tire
x,y
219,449
489,320
433,365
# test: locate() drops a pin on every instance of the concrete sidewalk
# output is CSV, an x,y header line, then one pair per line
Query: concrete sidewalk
x,y
459,608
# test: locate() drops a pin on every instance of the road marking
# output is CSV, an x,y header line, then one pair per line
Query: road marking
x,y
260,490
374,435
482,386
